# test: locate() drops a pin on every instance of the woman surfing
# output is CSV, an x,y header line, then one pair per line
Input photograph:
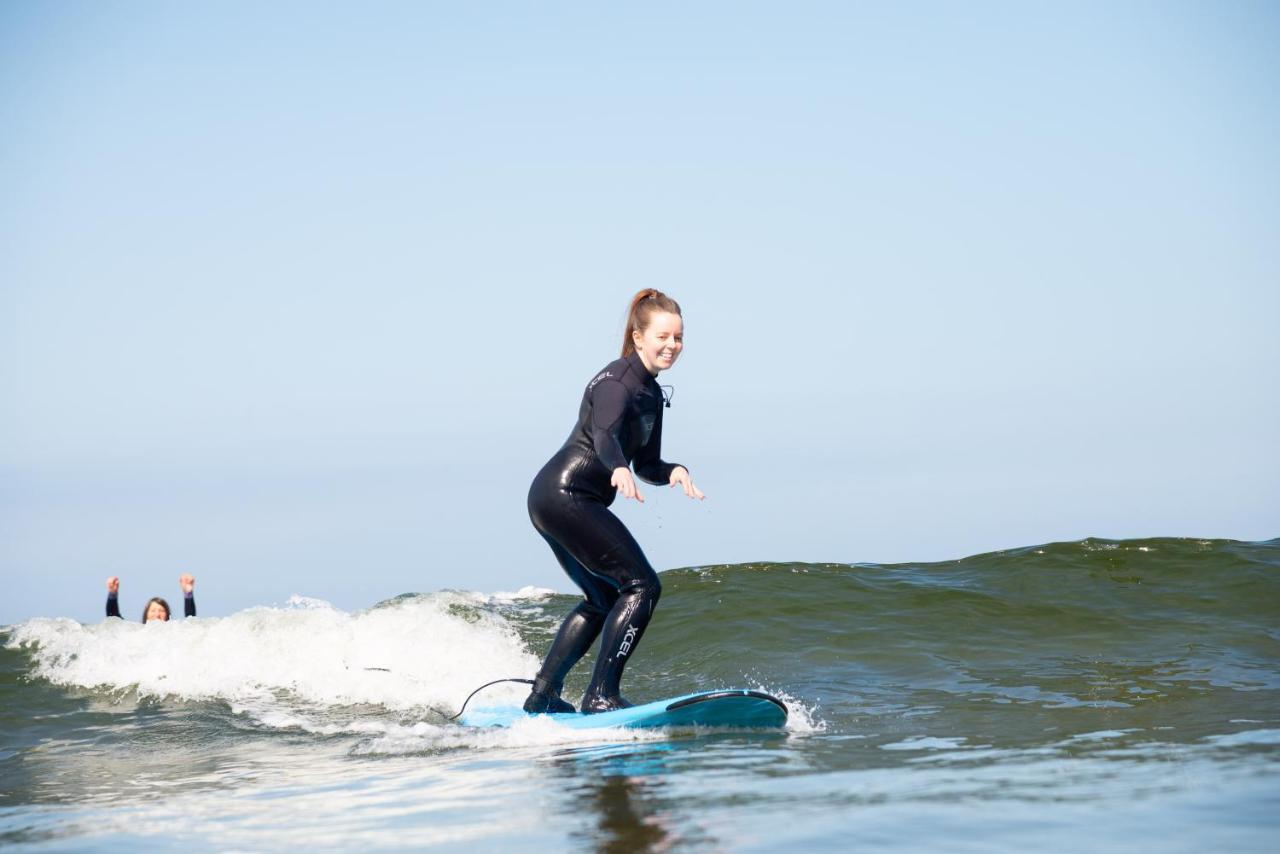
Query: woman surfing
x,y
619,426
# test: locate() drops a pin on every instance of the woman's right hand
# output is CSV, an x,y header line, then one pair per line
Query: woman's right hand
x,y
625,483
113,584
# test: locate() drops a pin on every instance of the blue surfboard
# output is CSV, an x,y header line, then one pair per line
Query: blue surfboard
x,y
737,707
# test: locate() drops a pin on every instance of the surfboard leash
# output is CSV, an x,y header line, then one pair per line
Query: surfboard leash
x,y
481,688
469,696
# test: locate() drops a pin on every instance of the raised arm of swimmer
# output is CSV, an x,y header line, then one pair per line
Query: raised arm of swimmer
x,y
187,582
156,608
113,594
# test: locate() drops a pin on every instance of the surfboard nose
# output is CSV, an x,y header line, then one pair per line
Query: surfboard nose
x,y
736,708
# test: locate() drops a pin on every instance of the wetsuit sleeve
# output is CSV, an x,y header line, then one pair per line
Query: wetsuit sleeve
x,y
608,407
189,605
649,465
113,605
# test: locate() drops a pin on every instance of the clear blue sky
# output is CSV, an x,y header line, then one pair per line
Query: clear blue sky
x,y
298,298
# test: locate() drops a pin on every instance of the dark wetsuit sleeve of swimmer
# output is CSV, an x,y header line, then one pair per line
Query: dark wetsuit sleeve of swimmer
x,y
608,408
649,464
188,604
113,605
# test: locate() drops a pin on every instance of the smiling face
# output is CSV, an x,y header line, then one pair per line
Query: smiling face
x,y
660,343
156,610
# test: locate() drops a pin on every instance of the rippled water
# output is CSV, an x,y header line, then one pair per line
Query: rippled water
x,y
1107,695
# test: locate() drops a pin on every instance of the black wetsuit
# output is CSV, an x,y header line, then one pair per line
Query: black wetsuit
x,y
619,423
188,605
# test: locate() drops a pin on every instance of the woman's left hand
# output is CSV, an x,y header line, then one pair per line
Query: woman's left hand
x,y
680,477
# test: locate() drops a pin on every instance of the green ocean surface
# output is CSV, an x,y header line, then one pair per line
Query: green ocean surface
x,y
1096,695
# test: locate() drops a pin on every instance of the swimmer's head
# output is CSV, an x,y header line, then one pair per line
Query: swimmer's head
x,y
655,329
157,609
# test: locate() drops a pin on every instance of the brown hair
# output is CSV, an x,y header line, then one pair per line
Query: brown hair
x,y
163,604
643,306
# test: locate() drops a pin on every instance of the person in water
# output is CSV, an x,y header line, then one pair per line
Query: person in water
x,y
157,608
619,425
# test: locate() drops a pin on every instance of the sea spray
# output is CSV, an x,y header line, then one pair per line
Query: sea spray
x,y
410,653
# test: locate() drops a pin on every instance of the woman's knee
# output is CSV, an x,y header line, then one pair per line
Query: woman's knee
x,y
646,585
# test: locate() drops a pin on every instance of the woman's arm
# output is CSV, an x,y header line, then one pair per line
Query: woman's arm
x,y
648,462
608,407
188,583
113,592
650,467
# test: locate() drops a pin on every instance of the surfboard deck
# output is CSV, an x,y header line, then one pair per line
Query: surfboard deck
x,y
737,707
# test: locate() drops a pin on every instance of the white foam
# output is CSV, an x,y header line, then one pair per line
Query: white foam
x,y
527,593
1100,735
1253,736
802,719
531,732
432,650
926,742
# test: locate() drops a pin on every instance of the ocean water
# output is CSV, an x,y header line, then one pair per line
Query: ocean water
x,y
1096,695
